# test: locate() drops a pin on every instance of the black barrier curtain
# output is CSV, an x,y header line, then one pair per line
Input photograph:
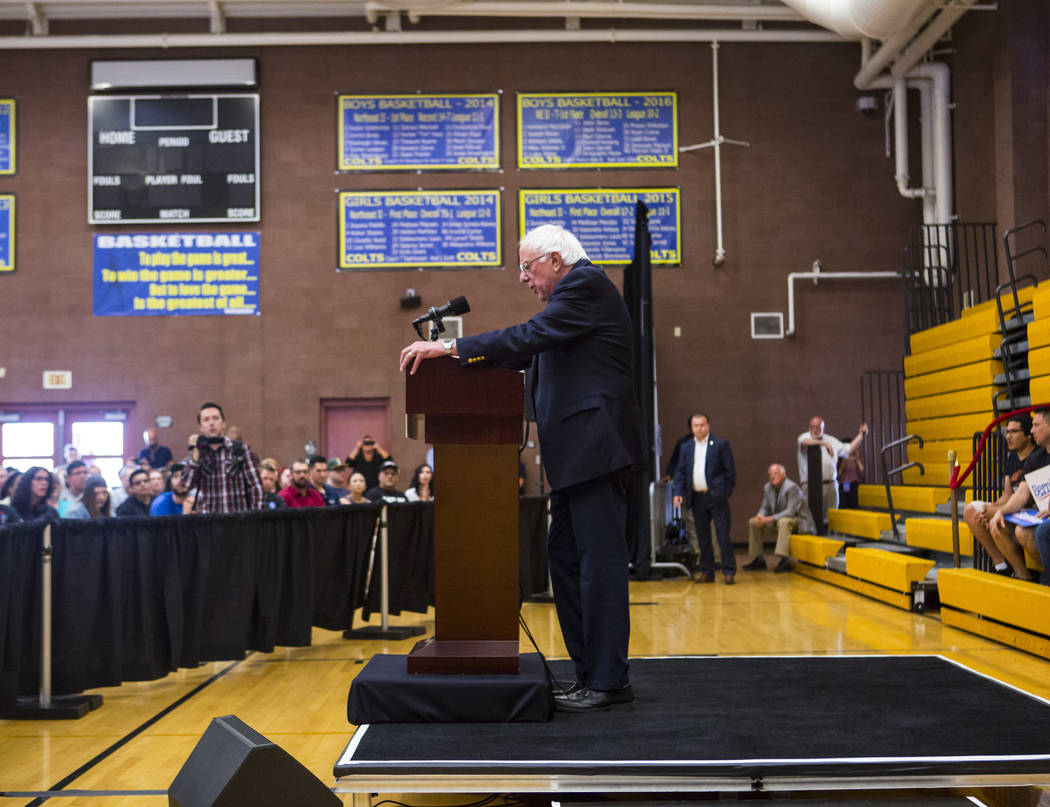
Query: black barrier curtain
x,y
135,598
411,568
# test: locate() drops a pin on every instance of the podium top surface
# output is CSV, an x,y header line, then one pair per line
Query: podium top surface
x,y
445,387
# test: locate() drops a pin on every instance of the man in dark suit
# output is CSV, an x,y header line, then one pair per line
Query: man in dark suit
x,y
579,355
704,481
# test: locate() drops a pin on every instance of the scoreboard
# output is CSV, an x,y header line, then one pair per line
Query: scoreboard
x,y
173,158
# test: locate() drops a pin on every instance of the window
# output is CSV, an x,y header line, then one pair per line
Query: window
x,y
28,444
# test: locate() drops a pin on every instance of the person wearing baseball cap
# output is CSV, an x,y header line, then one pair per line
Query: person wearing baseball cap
x,y
386,490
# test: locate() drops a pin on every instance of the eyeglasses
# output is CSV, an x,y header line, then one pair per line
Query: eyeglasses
x,y
524,267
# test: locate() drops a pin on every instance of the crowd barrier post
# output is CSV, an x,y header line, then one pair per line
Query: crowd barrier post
x,y
954,493
384,630
46,707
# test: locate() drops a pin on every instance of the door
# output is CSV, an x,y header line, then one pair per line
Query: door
x,y
344,421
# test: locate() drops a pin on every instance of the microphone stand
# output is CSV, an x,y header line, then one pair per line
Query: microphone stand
x,y
437,328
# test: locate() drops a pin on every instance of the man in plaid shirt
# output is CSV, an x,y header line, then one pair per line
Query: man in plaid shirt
x,y
224,471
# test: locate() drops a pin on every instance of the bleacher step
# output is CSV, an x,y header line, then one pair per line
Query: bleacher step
x,y
1020,347
1018,375
936,534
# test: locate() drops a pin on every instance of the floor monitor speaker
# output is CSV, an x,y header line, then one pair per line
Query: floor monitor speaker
x,y
233,765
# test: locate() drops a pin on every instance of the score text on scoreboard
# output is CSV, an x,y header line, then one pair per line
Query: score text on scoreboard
x,y
186,158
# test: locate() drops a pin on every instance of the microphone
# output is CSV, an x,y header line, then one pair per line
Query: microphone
x,y
452,308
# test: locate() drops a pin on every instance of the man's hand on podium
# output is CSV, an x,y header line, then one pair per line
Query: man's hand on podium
x,y
417,351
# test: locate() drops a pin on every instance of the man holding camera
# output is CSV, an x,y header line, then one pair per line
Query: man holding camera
x,y
224,471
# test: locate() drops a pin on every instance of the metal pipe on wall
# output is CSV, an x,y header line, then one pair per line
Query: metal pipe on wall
x,y
816,275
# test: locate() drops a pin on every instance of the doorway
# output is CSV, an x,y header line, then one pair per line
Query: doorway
x,y
344,421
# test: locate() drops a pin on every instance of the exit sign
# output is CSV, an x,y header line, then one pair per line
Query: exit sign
x,y
58,379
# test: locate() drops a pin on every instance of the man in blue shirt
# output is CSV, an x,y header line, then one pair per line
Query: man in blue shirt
x,y
170,503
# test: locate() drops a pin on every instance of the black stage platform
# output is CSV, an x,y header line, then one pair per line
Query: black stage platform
x,y
734,724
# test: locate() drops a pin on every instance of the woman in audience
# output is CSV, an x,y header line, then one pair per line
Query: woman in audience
x,y
36,486
421,488
285,479
96,500
9,485
357,486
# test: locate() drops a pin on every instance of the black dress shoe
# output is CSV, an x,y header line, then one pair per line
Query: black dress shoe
x,y
584,699
565,688
758,563
783,566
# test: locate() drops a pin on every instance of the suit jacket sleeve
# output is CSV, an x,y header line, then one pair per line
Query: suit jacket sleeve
x,y
683,471
730,466
568,315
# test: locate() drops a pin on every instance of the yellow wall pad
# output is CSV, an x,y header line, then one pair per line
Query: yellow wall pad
x,y
984,320
905,497
968,351
978,374
936,534
937,474
955,427
1039,361
1019,603
936,451
1006,634
862,523
814,549
960,402
1041,302
876,592
1024,295
890,569
1039,390
1039,333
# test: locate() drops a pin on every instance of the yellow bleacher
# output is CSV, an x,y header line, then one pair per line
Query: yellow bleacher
x,y
968,351
892,570
966,376
936,534
814,549
1014,612
861,523
916,499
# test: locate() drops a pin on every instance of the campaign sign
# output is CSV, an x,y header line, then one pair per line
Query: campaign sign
x,y
173,274
415,229
598,130
7,232
418,132
603,220
7,136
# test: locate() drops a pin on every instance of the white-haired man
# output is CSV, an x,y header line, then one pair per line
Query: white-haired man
x,y
579,351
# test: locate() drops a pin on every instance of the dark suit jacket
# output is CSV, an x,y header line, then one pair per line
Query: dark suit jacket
x,y
719,470
579,350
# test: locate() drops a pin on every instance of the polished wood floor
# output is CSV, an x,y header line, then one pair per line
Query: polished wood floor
x,y
297,696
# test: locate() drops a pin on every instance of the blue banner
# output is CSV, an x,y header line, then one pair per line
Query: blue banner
x,y
416,229
598,130
7,136
173,274
7,232
418,132
603,220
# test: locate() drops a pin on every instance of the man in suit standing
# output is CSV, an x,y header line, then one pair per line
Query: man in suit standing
x,y
579,353
704,481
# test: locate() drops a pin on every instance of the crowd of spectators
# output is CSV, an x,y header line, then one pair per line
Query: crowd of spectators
x,y
220,473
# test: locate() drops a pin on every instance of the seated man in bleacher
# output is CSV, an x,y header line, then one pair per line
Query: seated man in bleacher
x,y
784,511
1018,433
1009,539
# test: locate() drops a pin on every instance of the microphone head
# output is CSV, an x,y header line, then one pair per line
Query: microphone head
x,y
459,306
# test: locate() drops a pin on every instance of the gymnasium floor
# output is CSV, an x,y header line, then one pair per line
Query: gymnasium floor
x,y
296,697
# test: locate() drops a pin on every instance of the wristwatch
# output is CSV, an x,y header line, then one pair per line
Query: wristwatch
x,y
447,344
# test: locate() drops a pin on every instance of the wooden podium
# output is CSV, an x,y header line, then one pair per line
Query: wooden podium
x,y
473,417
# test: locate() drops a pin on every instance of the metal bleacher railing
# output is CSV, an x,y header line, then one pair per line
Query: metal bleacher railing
x,y
946,269
987,483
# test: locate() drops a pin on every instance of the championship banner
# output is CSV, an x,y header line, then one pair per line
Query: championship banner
x,y
598,130
7,232
7,136
418,132
173,274
418,229
603,220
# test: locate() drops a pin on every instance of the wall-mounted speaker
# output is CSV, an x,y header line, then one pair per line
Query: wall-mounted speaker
x,y
233,765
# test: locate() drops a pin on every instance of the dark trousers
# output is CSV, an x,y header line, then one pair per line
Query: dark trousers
x,y
587,547
708,508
